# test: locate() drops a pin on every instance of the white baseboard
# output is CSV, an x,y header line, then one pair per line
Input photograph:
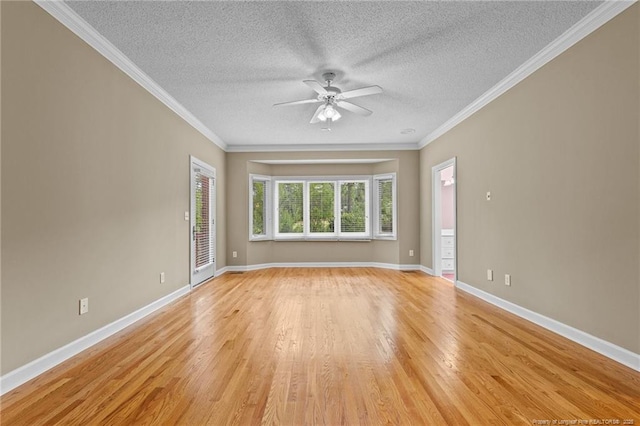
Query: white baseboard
x,y
394,266
426,270
610,350
221,271
28,371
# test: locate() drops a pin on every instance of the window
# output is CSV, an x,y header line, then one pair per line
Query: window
x,y
259,207
322,215
354,208
322,208
384,196
289,209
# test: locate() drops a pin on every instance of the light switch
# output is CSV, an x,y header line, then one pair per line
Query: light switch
x,y
186,215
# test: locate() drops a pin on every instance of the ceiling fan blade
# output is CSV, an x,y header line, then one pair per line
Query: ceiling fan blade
x,y
354,108
316,115
363,91
316,86
306,101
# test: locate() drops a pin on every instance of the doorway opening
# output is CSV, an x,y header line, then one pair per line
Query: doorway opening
x,y
203,222
444,188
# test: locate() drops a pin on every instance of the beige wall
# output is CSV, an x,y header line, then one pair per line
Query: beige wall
x,y
95,183
560,154
240,165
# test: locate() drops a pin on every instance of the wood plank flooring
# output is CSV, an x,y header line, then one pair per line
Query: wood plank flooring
x,y
330,346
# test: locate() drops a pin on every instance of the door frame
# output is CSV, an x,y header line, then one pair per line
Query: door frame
x,y
436,213
193,163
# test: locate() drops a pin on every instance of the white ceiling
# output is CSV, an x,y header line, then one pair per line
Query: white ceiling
x,y
228,62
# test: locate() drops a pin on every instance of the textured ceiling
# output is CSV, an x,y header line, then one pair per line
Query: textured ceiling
x,y
229,62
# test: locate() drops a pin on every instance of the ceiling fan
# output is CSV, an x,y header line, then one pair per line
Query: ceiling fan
x,y
332,98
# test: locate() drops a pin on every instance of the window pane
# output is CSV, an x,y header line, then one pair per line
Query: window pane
x,y
290,218
352,207
385,203
321,212
259,198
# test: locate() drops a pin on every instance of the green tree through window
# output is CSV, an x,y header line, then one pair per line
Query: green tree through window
x,y
385,193
290,208
353,204
259,227
315,208
321,207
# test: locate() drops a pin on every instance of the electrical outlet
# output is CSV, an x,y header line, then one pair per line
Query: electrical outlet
x,y
84,305
411,253
489,274
186,215
488,195
507,279
234,254
161,277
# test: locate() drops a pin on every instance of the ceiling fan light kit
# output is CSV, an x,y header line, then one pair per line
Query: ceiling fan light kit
x,y
329,112
331,98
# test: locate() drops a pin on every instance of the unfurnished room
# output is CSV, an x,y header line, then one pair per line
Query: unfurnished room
x,y
319,212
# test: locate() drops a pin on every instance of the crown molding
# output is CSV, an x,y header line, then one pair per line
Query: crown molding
x,y
594,20
323,147
74,22
70,19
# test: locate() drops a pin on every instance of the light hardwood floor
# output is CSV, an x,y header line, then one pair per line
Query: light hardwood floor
x,y
329,346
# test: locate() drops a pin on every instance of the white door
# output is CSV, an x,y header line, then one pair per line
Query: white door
x,y
444,216
203,221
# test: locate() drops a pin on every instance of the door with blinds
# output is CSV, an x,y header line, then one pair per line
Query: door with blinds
x,y
203,222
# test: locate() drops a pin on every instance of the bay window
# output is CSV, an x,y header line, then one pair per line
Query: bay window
x,y
322,208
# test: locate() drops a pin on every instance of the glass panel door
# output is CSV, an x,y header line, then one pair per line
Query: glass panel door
x,y
202,222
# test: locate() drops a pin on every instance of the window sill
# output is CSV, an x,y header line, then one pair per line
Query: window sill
x,y
265,238
330,239
327,239
308,239
386,237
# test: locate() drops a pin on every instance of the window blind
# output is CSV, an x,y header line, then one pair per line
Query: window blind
x,y
202,230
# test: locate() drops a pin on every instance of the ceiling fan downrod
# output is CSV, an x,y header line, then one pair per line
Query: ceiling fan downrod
x,y
329,77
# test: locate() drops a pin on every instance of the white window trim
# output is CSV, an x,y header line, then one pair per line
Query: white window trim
x,y
267,207
376,209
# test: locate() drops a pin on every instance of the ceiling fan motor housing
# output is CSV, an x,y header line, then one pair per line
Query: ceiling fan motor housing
x,y
332,92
